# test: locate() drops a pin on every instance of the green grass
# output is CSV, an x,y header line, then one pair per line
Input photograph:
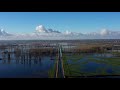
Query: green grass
x,y
74,57
99,71
72,69
66,65
116,70
116,53
107,61
75,69
51,72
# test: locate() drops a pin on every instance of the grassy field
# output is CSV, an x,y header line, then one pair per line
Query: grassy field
x,y
70,68
109,61
51,72
76,68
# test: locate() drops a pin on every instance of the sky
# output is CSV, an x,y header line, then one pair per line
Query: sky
x,y
84,22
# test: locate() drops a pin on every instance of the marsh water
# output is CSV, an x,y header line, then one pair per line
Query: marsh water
x,y
26,68
36,65
91,67
19,64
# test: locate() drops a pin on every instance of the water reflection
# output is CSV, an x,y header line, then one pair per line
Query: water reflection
x,y
6,59
25,66
25,53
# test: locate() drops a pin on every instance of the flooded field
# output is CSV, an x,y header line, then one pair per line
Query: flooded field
x,y
26,60
26,68
91,65
59,59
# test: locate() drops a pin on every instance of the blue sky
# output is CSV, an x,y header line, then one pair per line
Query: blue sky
x,y
26,22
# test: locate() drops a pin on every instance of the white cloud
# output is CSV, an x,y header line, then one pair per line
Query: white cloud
x,y
67,32
53,31
41,33
4,33
104,32
41,28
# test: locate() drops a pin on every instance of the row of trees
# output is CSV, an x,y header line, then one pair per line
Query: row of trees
x,y
26,52
88,49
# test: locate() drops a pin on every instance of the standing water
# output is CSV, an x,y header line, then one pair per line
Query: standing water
x,y
25,60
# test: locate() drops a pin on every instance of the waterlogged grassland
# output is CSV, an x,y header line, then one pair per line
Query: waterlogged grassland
x,y
78,65
75,57
69,69
116,53
108,61
51,72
